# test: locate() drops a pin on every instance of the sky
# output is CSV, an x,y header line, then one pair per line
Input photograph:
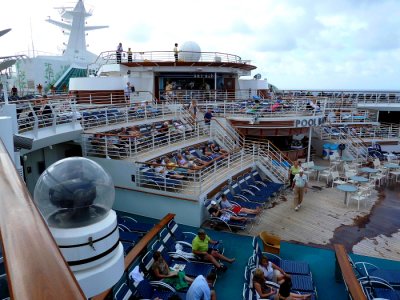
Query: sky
x,y
295,44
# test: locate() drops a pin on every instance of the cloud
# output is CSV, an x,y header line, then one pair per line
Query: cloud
x,y
294,43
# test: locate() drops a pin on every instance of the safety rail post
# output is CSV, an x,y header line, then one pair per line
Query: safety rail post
x,y
130,147
84,148
106,110
200,181
135,143
106,146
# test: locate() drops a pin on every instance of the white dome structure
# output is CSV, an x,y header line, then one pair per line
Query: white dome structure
x,y
190,51
75,196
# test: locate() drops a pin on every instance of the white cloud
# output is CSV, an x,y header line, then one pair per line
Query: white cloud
x,y
294,43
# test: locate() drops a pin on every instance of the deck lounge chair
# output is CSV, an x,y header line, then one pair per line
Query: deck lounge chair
x,y
185,238
192,269
133,225
247,194
240,199
155,290
375,288
365,269
289,266
232,225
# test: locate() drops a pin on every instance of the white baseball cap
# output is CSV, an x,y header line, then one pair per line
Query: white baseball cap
x,y
213,202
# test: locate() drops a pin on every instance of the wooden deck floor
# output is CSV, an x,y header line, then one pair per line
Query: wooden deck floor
x,y
322,213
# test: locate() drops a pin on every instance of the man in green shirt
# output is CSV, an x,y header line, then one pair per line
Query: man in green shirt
x,y
200,247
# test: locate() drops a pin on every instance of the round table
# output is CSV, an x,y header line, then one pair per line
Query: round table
x,y
359,178
347,188
369,171
346,159
318,169
391,166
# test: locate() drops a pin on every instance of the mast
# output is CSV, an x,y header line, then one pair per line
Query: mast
x,y
73,23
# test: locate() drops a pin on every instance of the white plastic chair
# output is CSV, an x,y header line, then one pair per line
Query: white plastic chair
x,y
336,178
308,170
359,196
325,173
348,174
334,161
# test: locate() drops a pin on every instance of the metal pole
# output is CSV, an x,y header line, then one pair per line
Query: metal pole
x,y
5,86
309,144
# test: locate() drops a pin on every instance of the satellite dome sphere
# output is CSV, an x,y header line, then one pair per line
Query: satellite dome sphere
x,y
190,51
74,192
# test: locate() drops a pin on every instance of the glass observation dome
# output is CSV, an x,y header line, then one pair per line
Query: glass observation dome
x,y
74,192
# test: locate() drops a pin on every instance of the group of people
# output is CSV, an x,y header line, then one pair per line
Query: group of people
x,y
201,288
268,271
120,139
185,161
120,50
119,54
225,209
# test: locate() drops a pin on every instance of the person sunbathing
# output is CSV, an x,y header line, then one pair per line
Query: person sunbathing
x,y
182,162
161,271
197,161
217,149
284,292
225,204
223,215
271,271
262,289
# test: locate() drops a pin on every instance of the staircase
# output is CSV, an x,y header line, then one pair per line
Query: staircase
x,y
354,146
63,81
265,155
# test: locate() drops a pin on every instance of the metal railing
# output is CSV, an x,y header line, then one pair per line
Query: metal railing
x,y
371,132
33,115
166,56
121,146
354,145
115,97
107,115
343,116
270,157
190,181
265,109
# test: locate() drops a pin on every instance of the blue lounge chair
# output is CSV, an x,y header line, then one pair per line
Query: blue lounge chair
x,y
248,195
134,226
185,238
365,269
232,225
241,200
191,269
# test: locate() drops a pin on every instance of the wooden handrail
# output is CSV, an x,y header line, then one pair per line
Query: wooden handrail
x,y
35,266
139,247
349,277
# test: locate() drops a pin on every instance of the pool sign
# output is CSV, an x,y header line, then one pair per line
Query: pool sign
x,y
309,122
